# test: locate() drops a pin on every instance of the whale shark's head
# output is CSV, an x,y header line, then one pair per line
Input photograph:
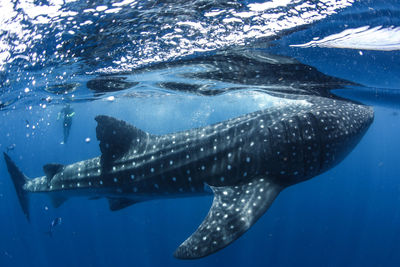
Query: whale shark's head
x,y
312,137
341,125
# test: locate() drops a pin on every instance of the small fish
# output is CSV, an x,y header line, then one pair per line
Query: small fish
x,y
11,147
57,221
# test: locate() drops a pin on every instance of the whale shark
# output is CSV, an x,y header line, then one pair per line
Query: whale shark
x,y
237,69
244,162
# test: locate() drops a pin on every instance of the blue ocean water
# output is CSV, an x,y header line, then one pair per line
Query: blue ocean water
x,y
167,66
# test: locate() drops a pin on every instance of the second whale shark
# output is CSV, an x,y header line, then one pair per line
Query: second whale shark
x,y
245,161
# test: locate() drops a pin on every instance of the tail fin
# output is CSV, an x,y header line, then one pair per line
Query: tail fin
x,y
19,179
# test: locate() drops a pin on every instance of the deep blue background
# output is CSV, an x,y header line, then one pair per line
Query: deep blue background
x,y
349,216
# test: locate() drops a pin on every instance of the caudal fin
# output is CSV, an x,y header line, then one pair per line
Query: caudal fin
x,y
19,179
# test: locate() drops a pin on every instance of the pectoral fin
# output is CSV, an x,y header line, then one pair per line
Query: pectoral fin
x,y
120,203
57,200
234,210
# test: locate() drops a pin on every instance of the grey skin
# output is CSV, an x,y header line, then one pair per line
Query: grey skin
x,y
246,161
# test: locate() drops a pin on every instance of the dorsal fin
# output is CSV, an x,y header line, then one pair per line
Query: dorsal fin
x,y
234,210
51,169
117,137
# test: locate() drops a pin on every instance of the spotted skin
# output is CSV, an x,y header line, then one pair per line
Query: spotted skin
x,y
245,162
233,211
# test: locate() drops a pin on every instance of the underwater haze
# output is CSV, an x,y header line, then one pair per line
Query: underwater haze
x,y
171,66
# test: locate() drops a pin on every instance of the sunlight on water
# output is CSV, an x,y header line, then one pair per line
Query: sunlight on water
x,y
165,31
363,38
